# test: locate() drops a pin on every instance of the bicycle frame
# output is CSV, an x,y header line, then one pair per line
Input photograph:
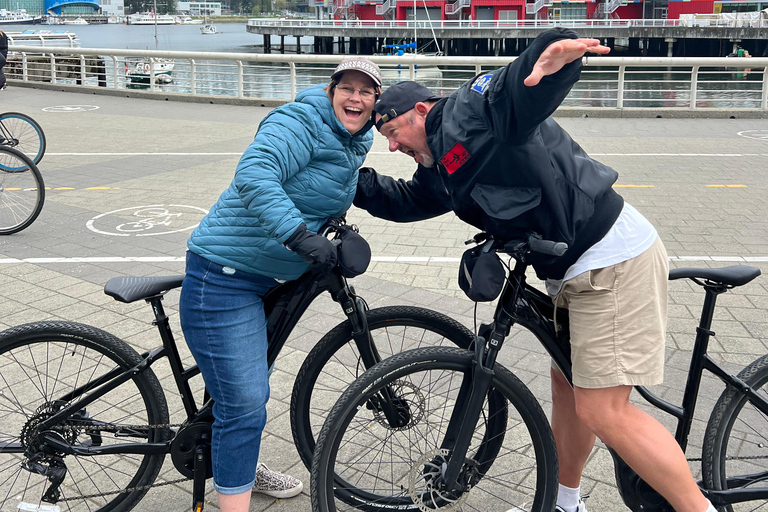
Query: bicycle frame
x,y
519,303
7,137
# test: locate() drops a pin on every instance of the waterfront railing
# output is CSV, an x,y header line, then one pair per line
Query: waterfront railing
x,y
676,83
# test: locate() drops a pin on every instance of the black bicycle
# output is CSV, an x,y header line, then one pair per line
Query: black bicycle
x,y
469,435
22,191
84,422
21,132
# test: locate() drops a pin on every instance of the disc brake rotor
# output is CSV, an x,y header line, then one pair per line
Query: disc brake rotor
x,y
424,487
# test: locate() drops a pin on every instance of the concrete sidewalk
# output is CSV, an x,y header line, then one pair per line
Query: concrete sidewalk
x,y
701,182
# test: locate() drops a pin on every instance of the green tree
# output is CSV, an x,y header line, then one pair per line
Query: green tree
x,y
279,5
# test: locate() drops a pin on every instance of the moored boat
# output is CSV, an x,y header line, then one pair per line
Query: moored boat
x,y
138,69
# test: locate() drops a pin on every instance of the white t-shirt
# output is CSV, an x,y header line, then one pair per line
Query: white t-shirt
x,y
630,236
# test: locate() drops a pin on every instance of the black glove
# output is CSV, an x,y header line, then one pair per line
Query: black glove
x,y
316,250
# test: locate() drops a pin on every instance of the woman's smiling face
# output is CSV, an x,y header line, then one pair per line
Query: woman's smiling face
x,y
353,100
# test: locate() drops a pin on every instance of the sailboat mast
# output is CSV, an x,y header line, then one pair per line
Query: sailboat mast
x,y
154,4
414,26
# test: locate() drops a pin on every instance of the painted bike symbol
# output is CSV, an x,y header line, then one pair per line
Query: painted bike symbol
x,y
149,218
70,108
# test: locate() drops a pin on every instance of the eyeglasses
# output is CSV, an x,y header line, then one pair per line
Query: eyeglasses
x,y
347,91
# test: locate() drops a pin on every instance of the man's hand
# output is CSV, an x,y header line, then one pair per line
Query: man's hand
x,y
560,53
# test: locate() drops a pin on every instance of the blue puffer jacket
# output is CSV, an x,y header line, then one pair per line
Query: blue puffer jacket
x,y
300,168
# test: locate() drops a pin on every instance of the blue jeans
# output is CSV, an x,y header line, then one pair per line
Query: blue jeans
x,y
222,316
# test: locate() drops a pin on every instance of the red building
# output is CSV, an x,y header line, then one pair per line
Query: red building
x,y
499,10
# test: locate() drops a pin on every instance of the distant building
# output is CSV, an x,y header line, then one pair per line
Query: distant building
x,y
57,7
112,7
199,8
480,10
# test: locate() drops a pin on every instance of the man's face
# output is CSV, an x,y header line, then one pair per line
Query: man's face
x,y
406,134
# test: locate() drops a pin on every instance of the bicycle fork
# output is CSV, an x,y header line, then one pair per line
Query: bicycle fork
x,y
354,307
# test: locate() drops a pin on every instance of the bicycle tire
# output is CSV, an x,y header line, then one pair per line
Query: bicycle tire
x,y
356,444
22,191
43,361
393,328
28,135
737,430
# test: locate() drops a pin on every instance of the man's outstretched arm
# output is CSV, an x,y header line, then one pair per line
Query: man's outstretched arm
x,y
422,197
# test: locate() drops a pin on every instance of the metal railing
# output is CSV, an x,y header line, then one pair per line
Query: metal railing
x,y
537,6
608,7
451,9
385,8
516,24
606,82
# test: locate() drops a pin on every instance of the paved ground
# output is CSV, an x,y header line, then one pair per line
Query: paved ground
x,y
701,183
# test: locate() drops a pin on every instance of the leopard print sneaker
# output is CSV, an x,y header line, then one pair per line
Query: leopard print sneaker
x,y
276,484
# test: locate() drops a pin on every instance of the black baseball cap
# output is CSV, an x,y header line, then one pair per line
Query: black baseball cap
x,y
399,99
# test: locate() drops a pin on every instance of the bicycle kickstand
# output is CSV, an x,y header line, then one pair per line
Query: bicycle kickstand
x,y
198,480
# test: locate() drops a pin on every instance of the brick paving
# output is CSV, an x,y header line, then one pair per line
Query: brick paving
x,y
132,153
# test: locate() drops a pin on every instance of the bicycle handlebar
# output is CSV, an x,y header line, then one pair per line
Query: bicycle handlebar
x,y
533,243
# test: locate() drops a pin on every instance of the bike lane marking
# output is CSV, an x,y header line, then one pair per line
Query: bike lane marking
x,y
143,220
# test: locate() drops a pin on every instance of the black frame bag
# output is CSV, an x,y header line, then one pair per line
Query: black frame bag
x,y
354,252
481,275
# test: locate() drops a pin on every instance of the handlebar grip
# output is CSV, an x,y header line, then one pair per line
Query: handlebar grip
x,y
548,247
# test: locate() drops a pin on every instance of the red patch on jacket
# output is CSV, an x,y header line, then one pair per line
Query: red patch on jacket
x,y
455,158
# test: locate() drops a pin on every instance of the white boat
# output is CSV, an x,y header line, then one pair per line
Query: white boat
x,y
137,70
208,29
76,21
151,19
15,17
188,20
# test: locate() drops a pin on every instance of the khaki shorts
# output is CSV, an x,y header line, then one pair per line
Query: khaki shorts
x,y
618,321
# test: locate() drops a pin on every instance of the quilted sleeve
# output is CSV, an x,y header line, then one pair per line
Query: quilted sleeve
x,y
282,147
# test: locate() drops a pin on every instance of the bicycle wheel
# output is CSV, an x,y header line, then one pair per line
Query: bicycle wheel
x,y
22,191
361,461
25,135
334,363
41,364
736,438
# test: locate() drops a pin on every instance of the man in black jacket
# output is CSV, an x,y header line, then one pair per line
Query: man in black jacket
x,y
491,154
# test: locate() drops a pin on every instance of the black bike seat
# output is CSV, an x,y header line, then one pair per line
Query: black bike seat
x,y
736,275
130,289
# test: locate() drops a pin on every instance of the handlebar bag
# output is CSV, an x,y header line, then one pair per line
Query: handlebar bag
x,y
481,275
354,253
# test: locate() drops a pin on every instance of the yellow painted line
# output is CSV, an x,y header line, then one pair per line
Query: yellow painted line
x,y
64,188
633,186
98,188
726,186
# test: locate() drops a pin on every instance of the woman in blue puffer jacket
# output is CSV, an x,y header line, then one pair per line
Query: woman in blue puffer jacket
x,y
300,170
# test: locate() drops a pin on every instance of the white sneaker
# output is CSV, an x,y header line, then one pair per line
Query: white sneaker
x,y
582,507
276,484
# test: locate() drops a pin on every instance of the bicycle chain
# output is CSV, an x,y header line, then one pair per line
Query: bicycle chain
x,y
116,428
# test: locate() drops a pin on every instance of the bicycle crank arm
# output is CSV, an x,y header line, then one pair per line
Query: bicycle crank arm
x,y
52,440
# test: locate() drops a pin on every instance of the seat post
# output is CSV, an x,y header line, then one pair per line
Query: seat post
x,y
698,358
169,344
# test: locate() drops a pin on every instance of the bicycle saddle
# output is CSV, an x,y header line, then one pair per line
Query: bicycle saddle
x,y
130,289
735,275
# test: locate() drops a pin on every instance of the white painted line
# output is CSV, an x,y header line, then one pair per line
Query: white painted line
x,y
378,259
725,155
144,154
728,155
